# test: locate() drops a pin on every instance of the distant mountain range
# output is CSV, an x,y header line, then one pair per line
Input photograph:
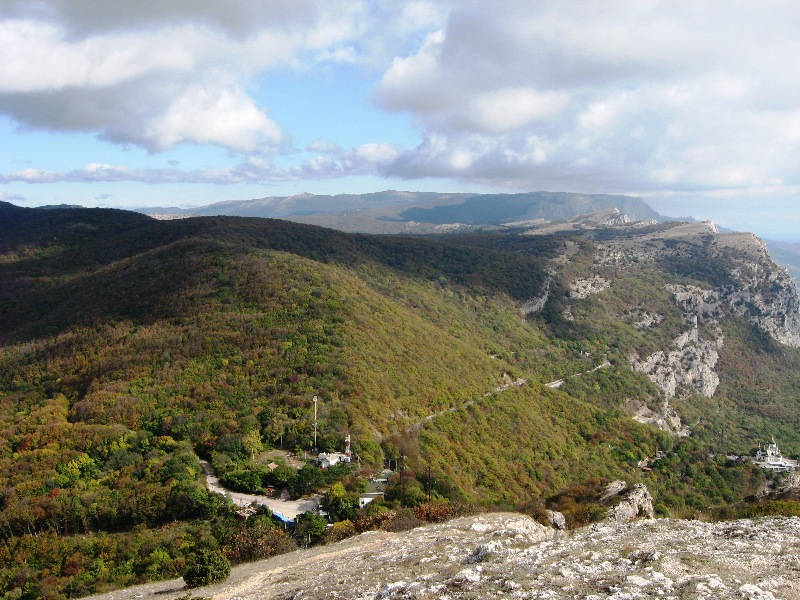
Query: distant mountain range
x,y
499,209
394,211
370,213
376,205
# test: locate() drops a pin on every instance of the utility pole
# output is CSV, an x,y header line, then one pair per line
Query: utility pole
x,y
429,479
402,481
315,424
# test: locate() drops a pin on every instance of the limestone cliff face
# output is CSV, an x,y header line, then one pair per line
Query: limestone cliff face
x,y
743,281
765,294
760,292
757,290
736,277
689,364
535,305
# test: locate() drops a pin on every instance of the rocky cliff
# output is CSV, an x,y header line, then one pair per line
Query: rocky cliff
x,y
742,278
706,277
739,279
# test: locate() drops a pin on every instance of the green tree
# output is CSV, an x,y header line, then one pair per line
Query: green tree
x,y
309,528
307,480
205,567
340,504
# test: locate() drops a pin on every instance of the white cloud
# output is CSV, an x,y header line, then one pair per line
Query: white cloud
x,y
413,83
39,57
334,162
503,110
157,74
619,96
226,117
12,197
324,147
376,153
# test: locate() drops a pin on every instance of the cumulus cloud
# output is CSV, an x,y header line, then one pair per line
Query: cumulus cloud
x,y
611,96
157,74
225,117
605,96
84,17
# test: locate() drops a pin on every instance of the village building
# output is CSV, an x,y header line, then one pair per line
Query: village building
x,y
326,460
772,459
366,498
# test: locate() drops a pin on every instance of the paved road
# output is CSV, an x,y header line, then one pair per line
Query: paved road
x,y
288,508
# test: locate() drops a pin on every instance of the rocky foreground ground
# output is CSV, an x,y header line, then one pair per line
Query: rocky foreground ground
x,y
507,555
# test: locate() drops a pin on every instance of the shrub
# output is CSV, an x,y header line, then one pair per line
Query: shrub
x,y
339,531
243,480
441,510
205,567
404,519
369,521
256,543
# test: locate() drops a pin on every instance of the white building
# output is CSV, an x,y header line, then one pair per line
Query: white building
x,y
328,459
772,459
365,499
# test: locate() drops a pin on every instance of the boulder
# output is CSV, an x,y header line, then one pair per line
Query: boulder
x,y
634,502
557,519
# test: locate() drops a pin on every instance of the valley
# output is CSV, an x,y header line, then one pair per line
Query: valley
x,y
519,366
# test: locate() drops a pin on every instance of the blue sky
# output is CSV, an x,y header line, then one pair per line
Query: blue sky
x,y
693,106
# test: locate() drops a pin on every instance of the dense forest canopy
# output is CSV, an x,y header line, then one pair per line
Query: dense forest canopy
x,y
132,348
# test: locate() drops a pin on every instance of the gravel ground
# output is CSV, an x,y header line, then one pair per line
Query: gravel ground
x,y
506,555
288,508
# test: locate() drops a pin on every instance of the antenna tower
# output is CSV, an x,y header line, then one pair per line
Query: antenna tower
x,y
315,424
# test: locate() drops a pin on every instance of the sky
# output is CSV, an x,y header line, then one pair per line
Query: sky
x,y
692,105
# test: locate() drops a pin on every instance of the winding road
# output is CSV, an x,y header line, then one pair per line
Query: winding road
x,y
291,508
515,383
559,382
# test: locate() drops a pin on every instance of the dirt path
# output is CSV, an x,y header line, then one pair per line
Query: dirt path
x,y
467,404
559,382
288,508
515,383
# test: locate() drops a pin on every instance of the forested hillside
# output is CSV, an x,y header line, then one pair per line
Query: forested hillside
x,y
130,348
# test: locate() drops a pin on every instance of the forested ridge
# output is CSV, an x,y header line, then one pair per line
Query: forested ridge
x,y
129,347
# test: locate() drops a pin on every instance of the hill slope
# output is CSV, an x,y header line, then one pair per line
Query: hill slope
x,y
130,346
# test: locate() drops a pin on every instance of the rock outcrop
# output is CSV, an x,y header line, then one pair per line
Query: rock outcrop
x,y
509,555
666,418
556,519
689,364
535,305
635,502
583,288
